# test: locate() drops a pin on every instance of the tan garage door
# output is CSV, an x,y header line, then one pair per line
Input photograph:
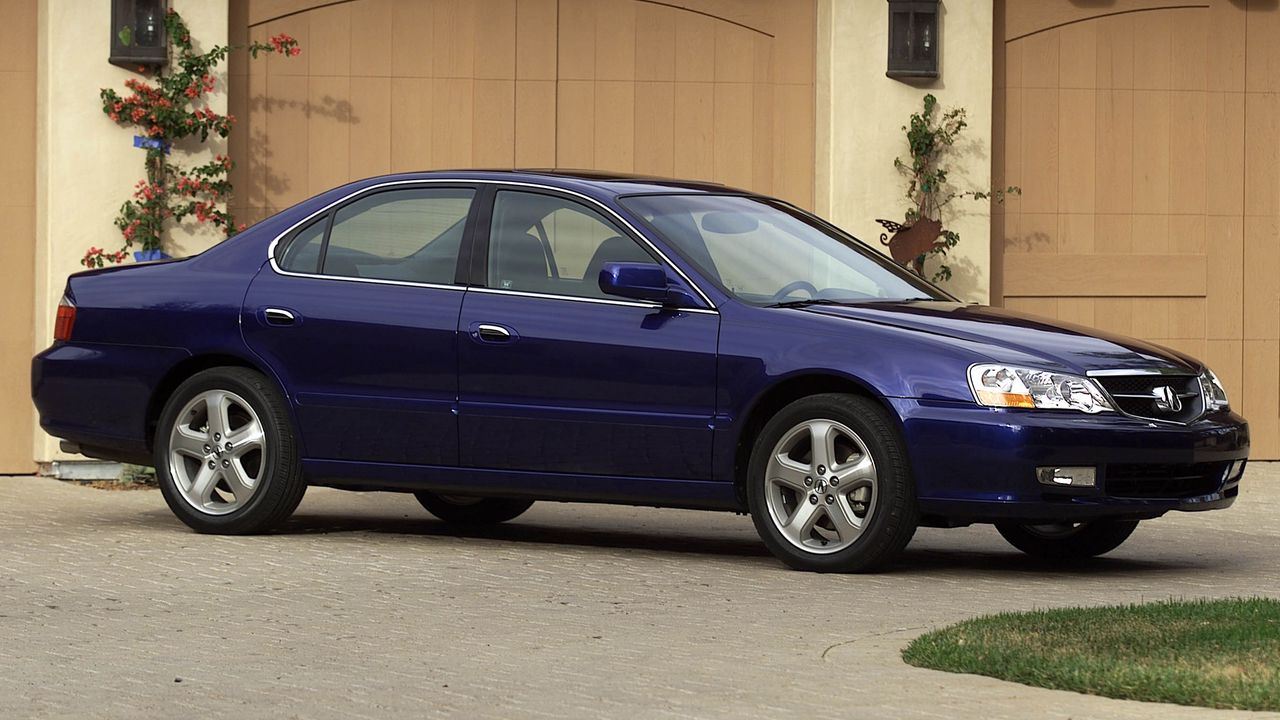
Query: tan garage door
x,y
1144,137
709,89
17,218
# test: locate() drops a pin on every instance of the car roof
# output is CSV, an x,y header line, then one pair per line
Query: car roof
x,y
592,182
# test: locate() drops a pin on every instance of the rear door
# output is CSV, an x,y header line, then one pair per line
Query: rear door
x,y
557,377
358,315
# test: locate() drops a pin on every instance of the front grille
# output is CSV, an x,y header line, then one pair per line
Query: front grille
x,y
1164,480
1139,395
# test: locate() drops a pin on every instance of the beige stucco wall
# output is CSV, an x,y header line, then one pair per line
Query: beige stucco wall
x,y
861,112
86,165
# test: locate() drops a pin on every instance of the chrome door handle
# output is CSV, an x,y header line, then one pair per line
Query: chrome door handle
x,y
279,316
493,333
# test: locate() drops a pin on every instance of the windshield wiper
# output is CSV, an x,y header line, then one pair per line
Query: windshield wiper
x,y
841,301
807,302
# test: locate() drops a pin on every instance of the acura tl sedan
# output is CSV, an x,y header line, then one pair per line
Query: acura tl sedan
x,y
485,340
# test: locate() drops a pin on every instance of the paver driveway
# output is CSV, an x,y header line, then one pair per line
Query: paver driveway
x,y
366,607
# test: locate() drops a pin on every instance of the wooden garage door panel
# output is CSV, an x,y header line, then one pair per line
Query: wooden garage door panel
x,y
704,89
1024,17
755,14
1142,212
1067,275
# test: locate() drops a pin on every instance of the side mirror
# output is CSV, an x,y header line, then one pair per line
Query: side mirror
x,y
640,281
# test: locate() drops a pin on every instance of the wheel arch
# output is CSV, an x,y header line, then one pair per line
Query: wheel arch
x,y
783,392
189,367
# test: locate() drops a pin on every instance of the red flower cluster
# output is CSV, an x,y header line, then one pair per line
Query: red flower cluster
x,y
206,211
193,186
285,45
204,84
97,257
147,190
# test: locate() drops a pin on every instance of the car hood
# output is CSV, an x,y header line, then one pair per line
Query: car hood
x,y
1014,337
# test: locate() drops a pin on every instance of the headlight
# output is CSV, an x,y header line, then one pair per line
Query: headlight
x,y
1215,395
1004,386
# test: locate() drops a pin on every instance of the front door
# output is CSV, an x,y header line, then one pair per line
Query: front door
x,y
359,318
555,376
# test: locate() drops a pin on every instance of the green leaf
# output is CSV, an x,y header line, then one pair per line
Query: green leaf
x,y
125,35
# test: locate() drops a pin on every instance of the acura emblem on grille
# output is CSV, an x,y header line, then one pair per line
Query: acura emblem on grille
x,y
1167,399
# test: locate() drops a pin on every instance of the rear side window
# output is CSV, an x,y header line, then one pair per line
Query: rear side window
x,y
303,252
410,234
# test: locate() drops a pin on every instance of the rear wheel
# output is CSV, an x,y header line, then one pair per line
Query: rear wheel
x,y
829,487
1066,542
468,510
225,454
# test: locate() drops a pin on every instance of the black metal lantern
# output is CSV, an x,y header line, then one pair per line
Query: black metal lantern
x,y
137,33
913,39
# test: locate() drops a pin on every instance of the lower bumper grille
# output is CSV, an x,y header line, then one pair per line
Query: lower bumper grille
x,y
1164,480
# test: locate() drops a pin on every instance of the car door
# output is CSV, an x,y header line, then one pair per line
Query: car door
x,y
358,314
555,376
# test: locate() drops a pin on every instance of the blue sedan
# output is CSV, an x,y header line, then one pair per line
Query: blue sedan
x,y
484,340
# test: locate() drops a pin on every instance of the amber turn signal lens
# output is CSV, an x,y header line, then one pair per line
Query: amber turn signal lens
x,y
1003,399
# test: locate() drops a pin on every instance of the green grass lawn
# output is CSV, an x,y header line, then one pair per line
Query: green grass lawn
x,y
1219,653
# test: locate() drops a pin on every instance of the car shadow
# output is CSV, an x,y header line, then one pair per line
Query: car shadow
x,y
917,559
528,532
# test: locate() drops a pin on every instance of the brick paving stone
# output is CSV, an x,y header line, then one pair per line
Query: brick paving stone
x,y
365,607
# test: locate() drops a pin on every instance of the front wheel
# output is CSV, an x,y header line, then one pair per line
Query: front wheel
x,y
829,486
225,454
1066,542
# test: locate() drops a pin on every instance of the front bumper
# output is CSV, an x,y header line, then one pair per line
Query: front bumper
x,y
978,464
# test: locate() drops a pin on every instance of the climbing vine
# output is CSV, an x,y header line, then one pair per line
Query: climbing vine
x,y
931,133
170,106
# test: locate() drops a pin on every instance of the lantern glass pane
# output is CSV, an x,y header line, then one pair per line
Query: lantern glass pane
x,y
900,36
148,23
924,36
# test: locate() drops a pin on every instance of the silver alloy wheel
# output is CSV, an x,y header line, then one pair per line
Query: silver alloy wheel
x,y
216,452
820,486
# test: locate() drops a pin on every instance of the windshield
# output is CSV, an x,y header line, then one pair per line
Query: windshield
x,y
766,253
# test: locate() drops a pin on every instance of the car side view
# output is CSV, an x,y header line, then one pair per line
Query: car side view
x,y
487,339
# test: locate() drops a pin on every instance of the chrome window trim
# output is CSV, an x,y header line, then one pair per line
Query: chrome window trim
x,y
275,266
343,278
576,298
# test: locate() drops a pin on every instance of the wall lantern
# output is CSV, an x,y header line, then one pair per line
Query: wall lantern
x,y
913,39
137,34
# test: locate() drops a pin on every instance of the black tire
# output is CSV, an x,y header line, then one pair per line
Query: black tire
x,y
472,510
1068,542
887,530
280,484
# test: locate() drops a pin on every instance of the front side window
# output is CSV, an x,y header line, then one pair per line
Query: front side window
x,y
547,244
412,234
765,254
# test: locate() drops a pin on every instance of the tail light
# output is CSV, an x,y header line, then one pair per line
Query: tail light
x,y
66,319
